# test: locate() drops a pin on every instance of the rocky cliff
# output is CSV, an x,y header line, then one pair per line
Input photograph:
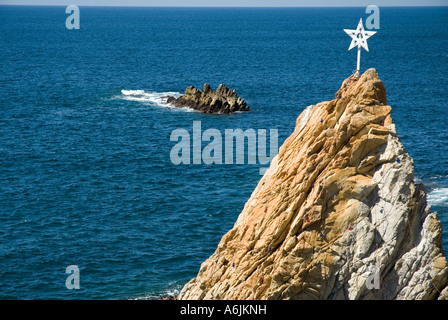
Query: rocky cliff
x,y
223,100
336,216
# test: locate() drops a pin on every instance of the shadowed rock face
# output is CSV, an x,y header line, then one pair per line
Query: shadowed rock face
x,y
336,211
223,100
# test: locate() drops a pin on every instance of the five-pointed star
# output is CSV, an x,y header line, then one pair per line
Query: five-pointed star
x,y
359,36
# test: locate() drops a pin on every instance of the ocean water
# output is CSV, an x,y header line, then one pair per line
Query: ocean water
x,y
85,172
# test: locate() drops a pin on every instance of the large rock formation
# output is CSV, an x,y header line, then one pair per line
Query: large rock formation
x,y
336,213
223,100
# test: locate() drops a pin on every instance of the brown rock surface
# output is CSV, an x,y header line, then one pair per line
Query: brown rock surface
x,y
337,201
223,100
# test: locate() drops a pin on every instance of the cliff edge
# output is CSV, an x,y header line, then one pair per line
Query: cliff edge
x,y
336,216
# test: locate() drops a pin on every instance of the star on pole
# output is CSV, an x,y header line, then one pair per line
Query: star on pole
x,y
359,39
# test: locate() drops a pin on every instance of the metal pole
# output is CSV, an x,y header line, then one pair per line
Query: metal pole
x,y
358,66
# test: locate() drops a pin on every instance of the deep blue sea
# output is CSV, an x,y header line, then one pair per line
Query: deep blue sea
x,y
86,177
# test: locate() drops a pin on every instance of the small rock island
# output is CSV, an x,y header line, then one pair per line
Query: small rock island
x,y
221,101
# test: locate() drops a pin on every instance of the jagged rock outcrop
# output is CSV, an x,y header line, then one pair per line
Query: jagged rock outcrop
x,y
336,213
223,100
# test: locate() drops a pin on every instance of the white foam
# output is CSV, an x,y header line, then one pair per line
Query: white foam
x,y
151,98
438,197
132,92
170,292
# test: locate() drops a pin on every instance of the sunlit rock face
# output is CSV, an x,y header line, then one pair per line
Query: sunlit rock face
x,y
336,216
